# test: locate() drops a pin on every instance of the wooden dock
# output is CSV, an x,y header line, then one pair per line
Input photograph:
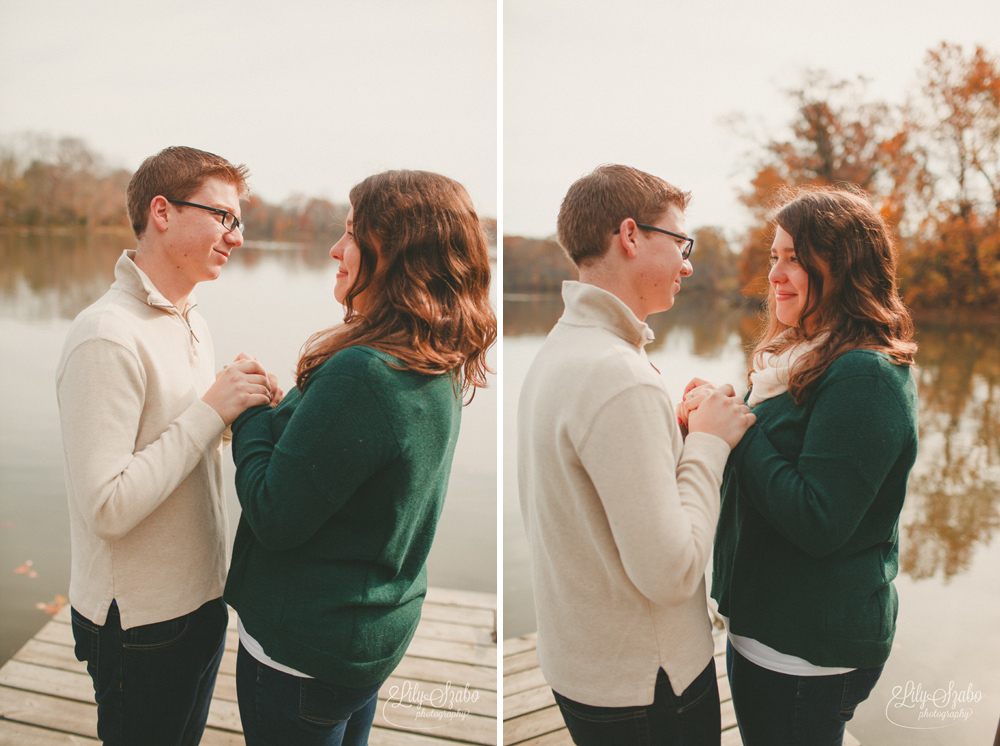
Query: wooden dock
x,y
444,690
531,716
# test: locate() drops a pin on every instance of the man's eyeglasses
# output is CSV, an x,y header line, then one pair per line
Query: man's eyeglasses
x,y
229,221
686,249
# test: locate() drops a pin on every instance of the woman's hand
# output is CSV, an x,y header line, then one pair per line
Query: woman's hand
x,y
694,394
718,412
276,393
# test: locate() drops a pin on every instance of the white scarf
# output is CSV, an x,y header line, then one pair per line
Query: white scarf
x,y
771,373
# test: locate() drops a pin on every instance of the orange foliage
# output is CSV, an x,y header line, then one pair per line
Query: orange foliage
x,y
932,170
54,606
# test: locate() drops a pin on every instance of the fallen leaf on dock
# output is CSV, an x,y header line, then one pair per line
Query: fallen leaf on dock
x,y
54,607
25,569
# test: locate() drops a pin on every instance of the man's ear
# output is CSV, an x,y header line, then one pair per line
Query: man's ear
x,y
626,237
159,212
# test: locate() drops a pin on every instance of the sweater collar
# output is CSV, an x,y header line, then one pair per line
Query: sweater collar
x,y
589,305
135,282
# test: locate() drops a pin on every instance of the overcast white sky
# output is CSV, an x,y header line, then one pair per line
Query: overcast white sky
x,y
648,84
312,96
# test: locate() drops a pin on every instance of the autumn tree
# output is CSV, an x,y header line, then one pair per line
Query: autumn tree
x,y
46,182
838,135
714,278
957,261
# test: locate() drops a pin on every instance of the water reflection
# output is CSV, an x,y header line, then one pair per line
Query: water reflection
x,y
952,503
955,486
57,274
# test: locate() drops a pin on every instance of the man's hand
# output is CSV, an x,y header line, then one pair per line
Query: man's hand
x,y
716,410
241,384
272,381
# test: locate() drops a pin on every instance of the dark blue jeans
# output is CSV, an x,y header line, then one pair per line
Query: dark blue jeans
x,y
153,684
776,709
278,709
691,719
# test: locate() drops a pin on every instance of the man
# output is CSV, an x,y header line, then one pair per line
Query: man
x,y
143,416
619,509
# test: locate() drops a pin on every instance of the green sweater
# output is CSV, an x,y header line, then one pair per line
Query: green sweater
x,y
341,488
808,538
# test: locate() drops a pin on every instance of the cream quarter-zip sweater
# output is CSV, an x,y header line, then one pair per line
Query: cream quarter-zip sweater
x,y
620,512
143,456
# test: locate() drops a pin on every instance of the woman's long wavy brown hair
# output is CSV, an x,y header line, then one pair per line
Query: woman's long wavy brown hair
x,y
859,306
425,273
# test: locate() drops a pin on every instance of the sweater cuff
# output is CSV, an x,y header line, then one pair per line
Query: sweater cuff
x,y
710,448
203,423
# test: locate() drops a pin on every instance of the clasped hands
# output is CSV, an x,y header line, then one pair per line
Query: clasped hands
x,y
710,408
240,385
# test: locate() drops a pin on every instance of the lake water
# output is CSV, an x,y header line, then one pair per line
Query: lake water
x,y
949,581
266,303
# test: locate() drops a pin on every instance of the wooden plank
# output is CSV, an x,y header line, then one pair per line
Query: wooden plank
x,y
454,652
50,654
556,738
27,735
225,687
453,724
460,615
532,725
79,718
459,674
522,680
516,645
434,630
728,714
46,711
32,678
527,701
213,737
451,597
731,737
57,633
519,662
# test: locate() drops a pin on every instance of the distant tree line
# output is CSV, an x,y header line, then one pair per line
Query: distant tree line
x,y
61,183
930,165
540,266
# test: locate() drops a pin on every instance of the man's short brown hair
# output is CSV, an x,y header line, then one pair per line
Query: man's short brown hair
x,y
177,173
597,203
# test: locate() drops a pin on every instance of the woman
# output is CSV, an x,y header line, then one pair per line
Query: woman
x,y
807,542
342,484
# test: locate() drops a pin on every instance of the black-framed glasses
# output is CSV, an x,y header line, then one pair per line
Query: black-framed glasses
x,y
686,249
229,221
